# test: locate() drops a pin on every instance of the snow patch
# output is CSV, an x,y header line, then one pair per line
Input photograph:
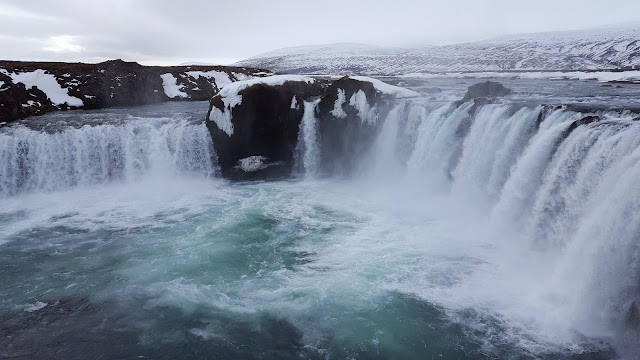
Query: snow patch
x,y
275,80
252,163
46,83
367,114
294,102
222,118
171,87
220,78
30,103
241,76
398,92
337,106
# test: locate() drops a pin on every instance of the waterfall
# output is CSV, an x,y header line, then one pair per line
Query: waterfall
x,y
526,176
384,161
438,143
33,160
587,215
308,148
548,185
496,139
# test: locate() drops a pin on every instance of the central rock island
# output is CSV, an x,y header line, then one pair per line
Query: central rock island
x,y
255,124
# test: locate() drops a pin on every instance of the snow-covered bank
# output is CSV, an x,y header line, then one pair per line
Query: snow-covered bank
x,y
601,76
34,88
47,83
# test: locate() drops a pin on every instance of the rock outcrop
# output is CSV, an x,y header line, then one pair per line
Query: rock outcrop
x,y
350,114
17,102
254,125
487,89
61,86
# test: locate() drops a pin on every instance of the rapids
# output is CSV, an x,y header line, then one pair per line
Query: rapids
x,y
497,231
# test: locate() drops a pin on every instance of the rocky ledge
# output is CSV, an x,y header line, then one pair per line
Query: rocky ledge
x,y
35,88
255,124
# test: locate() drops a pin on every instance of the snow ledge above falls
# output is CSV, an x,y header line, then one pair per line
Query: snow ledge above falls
x,y
230,96
395,91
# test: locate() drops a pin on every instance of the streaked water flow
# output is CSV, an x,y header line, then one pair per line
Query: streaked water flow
x,y
505,232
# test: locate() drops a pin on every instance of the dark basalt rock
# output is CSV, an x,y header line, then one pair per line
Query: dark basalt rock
x,y
545,112
264,124
343,140
487,89
583,121
111,83
18,102
120,83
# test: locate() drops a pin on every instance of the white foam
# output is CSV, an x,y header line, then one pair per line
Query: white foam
x,y
252,163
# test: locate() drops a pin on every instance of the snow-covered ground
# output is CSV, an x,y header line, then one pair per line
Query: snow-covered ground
x,y
178,84
593,49
601,76
385,88
47,83
220,78
171,87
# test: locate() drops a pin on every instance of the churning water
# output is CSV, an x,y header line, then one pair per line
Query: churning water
x,y
496,232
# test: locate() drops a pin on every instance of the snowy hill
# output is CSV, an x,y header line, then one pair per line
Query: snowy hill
x,y
600,48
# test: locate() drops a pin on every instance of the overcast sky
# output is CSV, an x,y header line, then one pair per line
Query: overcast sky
x,y
176,31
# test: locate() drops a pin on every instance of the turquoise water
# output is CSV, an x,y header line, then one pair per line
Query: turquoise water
x,y
200,268
134,249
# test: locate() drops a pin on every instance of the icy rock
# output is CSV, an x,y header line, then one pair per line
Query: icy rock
x,y
350,113
487,89
255,118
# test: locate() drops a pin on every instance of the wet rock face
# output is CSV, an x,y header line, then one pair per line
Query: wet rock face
x,y
487,89
265,124
263,120
350,114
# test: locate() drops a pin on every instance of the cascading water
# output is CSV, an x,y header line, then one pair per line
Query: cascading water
x,y
527,174
438,143
505,230
308,149
32,160
587,211
551,190
384,152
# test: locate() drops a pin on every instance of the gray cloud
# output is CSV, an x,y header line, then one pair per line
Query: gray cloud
x,y
169,31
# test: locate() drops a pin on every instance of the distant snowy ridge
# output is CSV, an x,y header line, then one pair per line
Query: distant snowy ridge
x,y
602,48
601,76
